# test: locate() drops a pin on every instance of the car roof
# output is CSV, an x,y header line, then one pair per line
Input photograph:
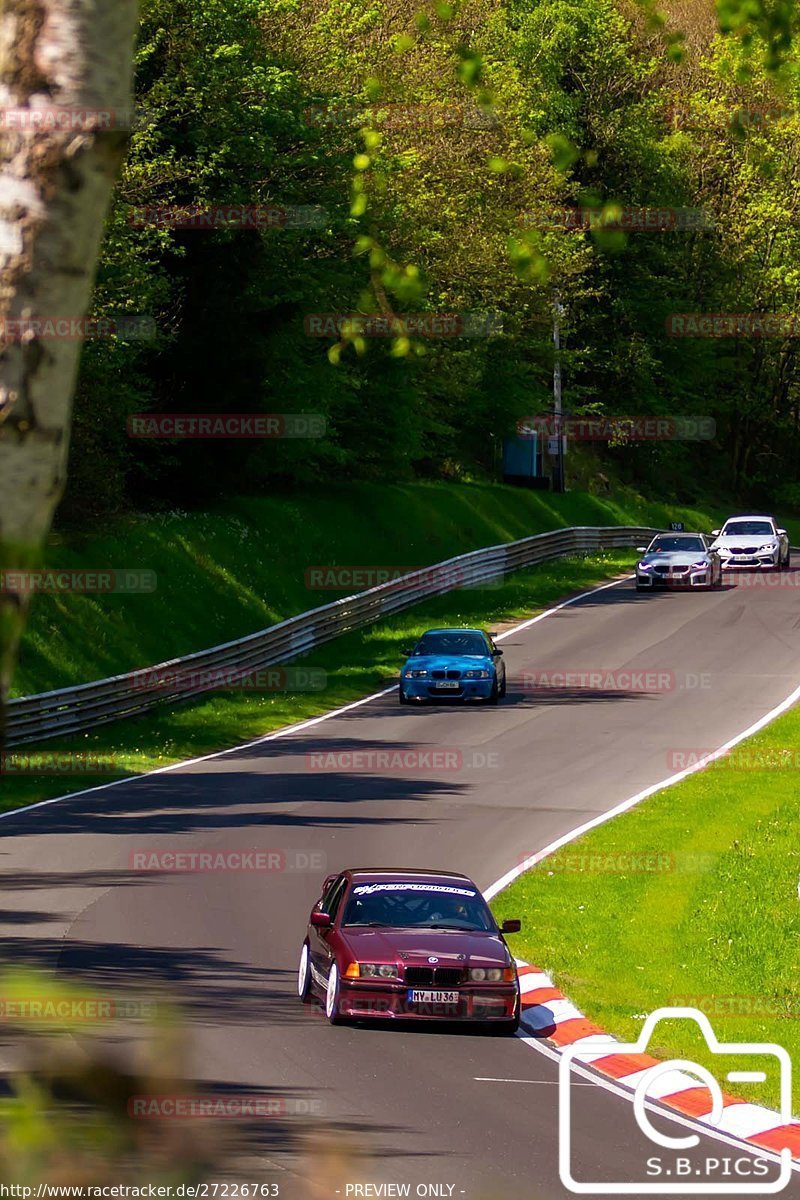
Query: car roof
x,y
750,517
403,873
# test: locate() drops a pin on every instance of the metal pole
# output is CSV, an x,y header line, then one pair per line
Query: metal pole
x,y
558,310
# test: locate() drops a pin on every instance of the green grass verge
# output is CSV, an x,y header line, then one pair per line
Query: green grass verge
x,y
224,574
715,926
355,666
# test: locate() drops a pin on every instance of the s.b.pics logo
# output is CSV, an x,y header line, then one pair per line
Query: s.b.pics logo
x,y
678,1163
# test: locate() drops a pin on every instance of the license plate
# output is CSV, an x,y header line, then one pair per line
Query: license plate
x,y
451,683
415,997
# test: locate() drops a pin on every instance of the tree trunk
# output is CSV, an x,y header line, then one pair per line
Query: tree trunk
x,y
66,70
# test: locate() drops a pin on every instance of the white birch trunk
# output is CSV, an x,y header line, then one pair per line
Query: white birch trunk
x,y
55,188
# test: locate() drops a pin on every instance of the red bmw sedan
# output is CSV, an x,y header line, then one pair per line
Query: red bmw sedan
x,y
408,945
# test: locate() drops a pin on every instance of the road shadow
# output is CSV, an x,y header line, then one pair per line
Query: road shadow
x,y
241,790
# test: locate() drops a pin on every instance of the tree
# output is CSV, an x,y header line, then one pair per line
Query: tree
x,y
66,70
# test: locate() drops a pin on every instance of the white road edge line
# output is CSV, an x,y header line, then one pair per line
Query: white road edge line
x,y
502,883
510,876
618,1089
538,1082
290,729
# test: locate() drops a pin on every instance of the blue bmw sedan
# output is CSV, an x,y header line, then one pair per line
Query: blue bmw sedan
x,y
453,664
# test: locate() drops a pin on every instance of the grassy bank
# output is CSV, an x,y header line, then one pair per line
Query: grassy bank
x,y
710,918
349,668
224,574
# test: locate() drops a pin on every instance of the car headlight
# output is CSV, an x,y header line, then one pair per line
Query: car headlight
x,y
416,674
768,548
643,566
702,564
486,974
377,971
476,675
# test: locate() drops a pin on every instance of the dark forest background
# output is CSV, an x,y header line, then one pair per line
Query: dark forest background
x,y
420,153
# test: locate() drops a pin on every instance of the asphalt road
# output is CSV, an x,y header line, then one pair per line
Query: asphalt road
x,y
417,1106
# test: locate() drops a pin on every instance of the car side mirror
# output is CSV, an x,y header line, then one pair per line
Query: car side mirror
x,y
497,653
321,920
641,549
715,532
782,533
511,926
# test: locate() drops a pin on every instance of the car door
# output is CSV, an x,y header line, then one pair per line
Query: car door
x,y
320,939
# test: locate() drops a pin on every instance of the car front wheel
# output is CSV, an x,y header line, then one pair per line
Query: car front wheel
x,y
494,694
788,560
402,697
304,974
332,996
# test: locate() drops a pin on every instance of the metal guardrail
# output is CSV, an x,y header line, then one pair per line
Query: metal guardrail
x,y
74,709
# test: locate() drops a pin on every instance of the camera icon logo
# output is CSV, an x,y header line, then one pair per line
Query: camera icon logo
x,y
672,1075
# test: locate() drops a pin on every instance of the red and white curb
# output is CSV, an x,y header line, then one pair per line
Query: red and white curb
x,y
549,1016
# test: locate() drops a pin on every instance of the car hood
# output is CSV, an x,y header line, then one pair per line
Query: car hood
x,y
415,946
449,662
674,558
752,539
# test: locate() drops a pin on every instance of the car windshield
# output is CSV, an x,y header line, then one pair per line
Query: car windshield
x,y
408,905
747,529
666,544
453,642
